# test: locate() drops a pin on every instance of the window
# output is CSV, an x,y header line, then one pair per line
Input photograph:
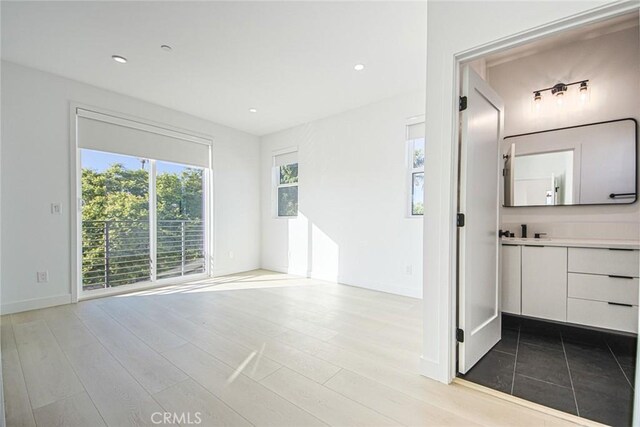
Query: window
x,y
145,204
286,179
415,144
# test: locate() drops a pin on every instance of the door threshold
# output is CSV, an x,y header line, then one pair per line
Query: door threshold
x,y
528,404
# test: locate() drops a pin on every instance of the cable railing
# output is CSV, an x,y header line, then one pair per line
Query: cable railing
x,y
116,253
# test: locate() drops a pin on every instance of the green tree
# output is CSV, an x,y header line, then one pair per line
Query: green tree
x,y
116,204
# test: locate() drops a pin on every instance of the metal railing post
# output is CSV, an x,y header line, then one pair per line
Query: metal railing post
x,y
106,254
183,246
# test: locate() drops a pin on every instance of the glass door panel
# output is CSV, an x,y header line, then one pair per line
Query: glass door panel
x,y
115,220
180,220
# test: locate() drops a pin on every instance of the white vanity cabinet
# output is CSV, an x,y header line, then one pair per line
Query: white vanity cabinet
x,y
603,288
544,282
511,276
560,281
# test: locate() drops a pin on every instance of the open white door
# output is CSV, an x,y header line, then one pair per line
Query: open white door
x,y
481,164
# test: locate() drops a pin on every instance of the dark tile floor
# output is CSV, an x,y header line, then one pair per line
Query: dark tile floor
x,y
580,371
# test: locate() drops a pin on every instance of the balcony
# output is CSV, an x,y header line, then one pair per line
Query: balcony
x,y
117,253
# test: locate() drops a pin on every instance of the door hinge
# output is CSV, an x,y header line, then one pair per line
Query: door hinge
x,y
460,220
463,103
459,335
504,172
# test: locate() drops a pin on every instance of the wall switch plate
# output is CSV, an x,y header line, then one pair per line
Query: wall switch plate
x,y
56,208
42,276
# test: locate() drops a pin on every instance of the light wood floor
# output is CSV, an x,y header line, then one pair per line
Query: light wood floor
x,y
254,349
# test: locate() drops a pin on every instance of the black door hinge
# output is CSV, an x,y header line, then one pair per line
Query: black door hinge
x,y
460,220
463,103
459,335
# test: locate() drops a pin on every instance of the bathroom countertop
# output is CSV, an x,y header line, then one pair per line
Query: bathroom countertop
x,y
575,243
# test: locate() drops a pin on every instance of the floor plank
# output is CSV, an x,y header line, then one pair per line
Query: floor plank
x,y
120,399
16,399
249,398
145,365
47,373
322,402
193,400
77,410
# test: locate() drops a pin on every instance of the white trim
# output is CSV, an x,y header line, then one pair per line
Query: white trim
x,y
414,120
287,150
440,282
140,124
36,303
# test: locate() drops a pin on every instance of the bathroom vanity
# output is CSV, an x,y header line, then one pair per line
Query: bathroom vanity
x,y
585,282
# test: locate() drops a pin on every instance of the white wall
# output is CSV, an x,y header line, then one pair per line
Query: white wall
x,y
612,64
454,28
36,170
353,224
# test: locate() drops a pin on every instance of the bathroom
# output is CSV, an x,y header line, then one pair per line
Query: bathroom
x,y
569,221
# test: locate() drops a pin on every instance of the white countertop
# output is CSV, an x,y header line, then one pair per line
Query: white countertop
x,y
574,243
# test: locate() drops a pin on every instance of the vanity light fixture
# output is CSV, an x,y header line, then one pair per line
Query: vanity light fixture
x,y
560,90
358,67
119,59
253,110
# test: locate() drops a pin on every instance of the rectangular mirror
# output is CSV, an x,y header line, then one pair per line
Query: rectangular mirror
x,y
594,164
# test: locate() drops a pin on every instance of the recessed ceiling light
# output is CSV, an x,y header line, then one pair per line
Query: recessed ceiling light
x,y
120,59
358,67
166,48
253,110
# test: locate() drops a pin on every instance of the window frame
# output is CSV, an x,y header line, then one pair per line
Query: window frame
x,y
411,170
276,185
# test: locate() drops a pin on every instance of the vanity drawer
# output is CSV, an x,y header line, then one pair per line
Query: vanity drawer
x,y
622,290
604,261
602,315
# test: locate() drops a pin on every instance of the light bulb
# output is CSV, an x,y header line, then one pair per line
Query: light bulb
x,y
584,92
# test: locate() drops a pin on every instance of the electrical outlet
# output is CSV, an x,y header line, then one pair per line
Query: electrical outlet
x,y
409,270
42,276
231,254
56,208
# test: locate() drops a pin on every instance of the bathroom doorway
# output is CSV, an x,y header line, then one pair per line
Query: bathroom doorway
x,y
548,280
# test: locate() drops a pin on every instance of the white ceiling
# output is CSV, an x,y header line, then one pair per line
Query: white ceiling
x,y
293,61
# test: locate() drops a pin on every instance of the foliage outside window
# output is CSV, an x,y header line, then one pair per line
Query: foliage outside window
x,y
287,190
416,175
115,216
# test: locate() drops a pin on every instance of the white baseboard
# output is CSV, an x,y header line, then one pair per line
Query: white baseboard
x,y
34,304
227,271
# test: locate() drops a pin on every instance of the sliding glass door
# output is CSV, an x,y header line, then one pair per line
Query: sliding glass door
x,y
143,220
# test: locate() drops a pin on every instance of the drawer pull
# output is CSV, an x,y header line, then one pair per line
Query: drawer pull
x,y
613,276
621,305
620,249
